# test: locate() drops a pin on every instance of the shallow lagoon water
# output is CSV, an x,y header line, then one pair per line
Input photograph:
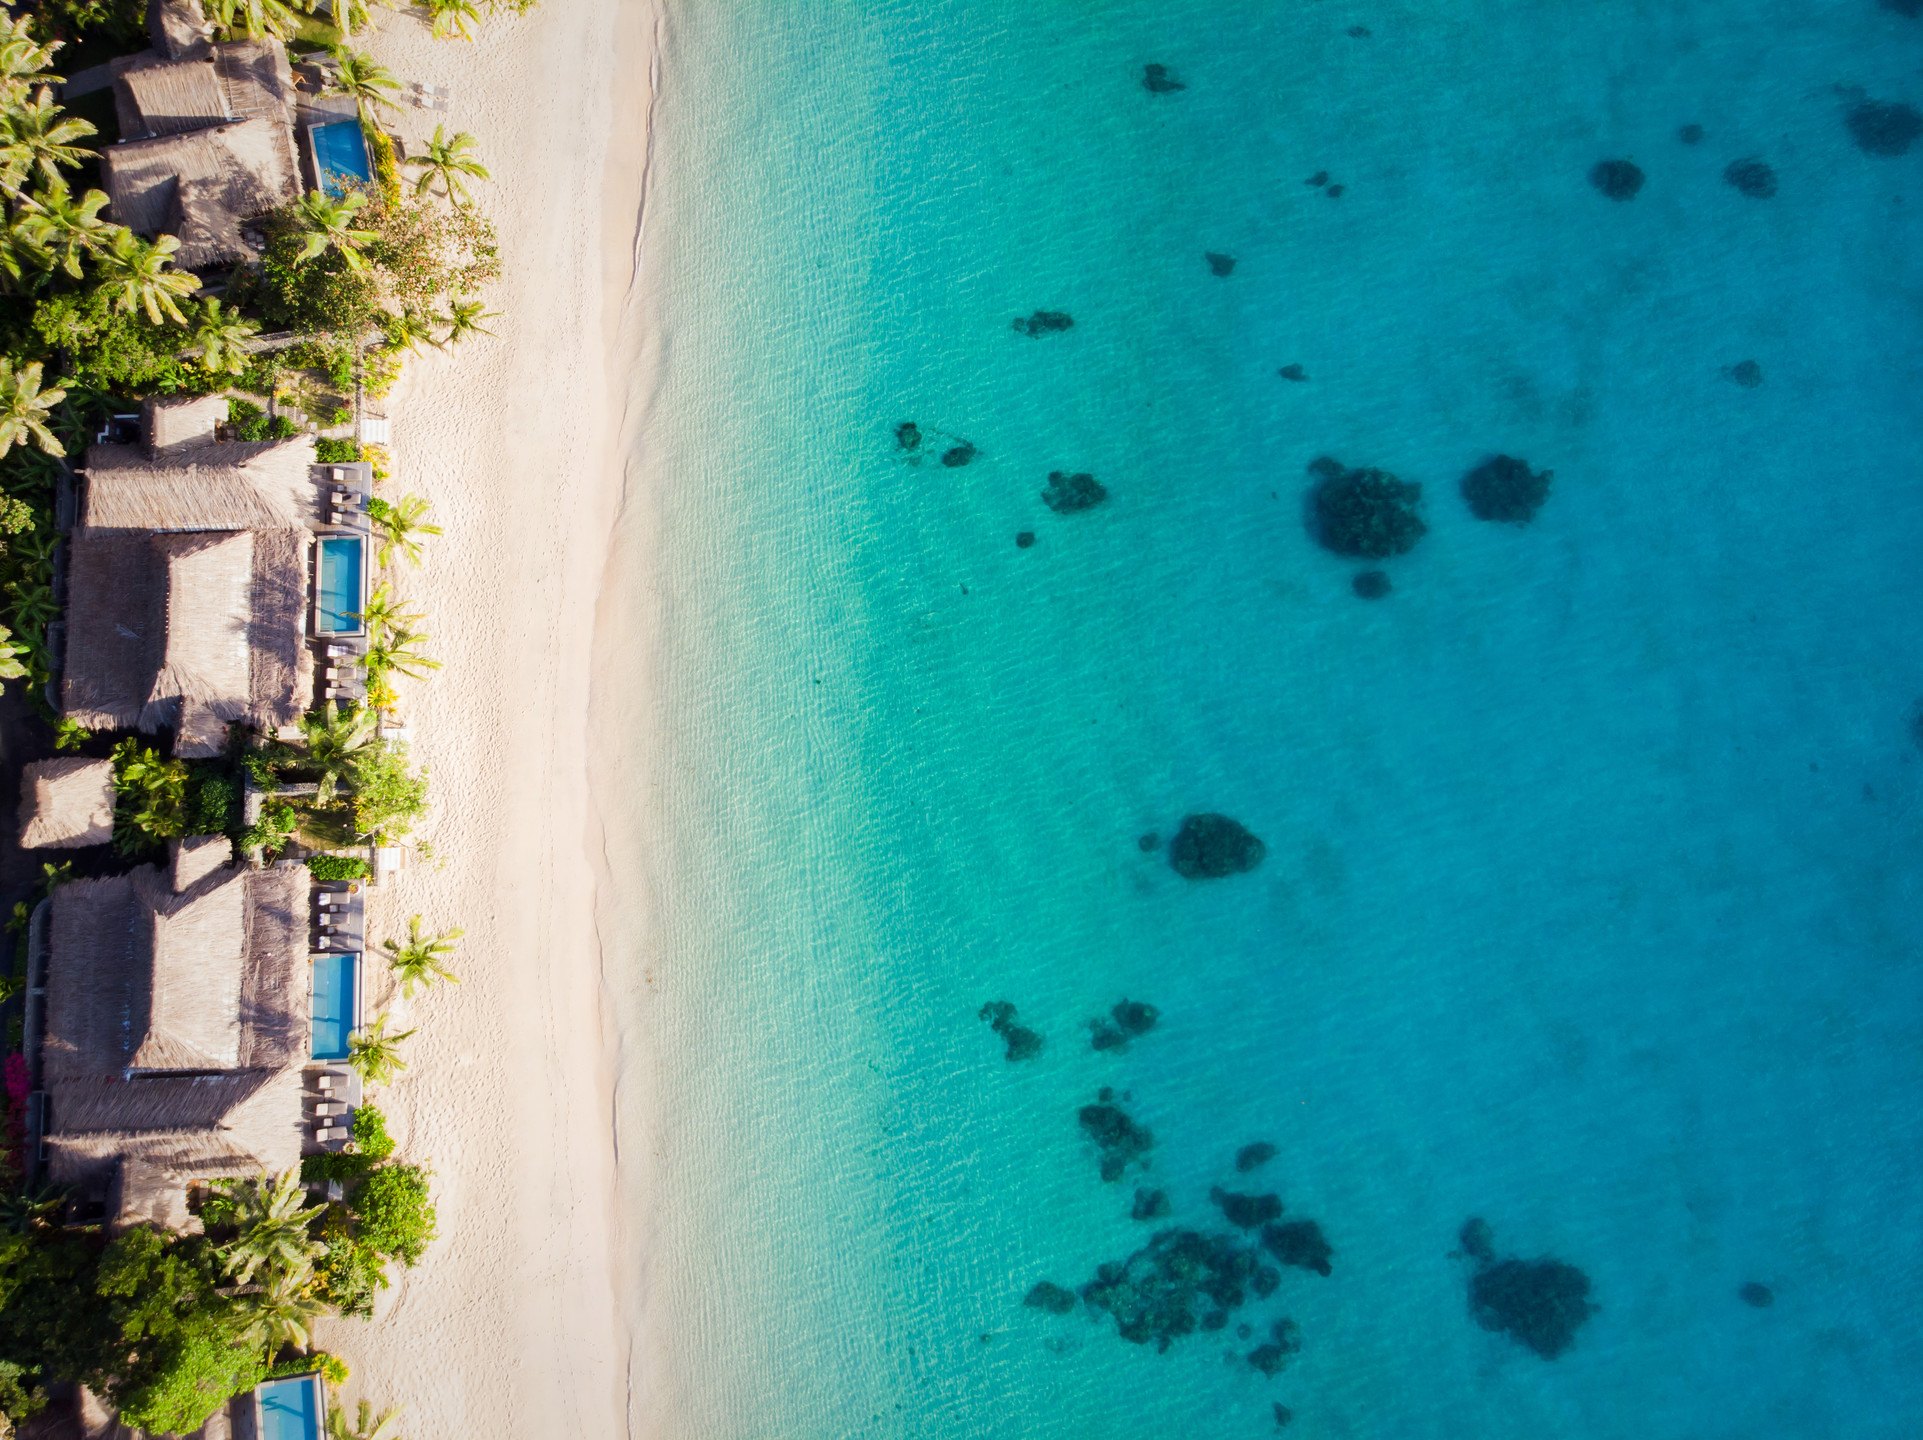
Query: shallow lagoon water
x,y
1589,900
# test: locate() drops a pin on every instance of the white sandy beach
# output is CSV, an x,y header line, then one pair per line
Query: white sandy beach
x,y
512,1326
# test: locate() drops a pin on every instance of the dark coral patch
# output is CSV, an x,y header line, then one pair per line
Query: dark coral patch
x,y
1121,1141
1540,1304
1024,539
1285,1339
1757,1295
1135,1017
1069,493
1751,177
1020,1042
1371,584
1212,847
1504,489
1050,1297
1159,80
1149,1205
1299,1243
1477,1240
1335,192
1221,266
1245,1212
1293,372
1043,322
956,456
1160,1293
1253,1157
1104,1036
1148,842
1908,9
1367,514
1690,134
908,435
1319,179
1283,1415
1746,373
1884,128
1618,179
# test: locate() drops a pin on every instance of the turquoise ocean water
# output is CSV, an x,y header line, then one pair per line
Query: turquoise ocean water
x,y
1590,904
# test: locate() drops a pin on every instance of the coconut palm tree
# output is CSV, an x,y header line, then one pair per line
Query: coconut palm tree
x,y
37,135
400,526
374,1055
394,654
464,318
448,159
369,85
220,338
66,229
407,329
11,665
383,613
257,19
352,15
23,61
21,253
328,224
452,19
284,1312
24,407
141,276
335,739
270,1225
422,959
365,1426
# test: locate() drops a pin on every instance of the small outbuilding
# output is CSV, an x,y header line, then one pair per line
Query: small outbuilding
x,y
66,804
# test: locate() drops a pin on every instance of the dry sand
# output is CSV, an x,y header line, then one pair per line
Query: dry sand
x,y
513,1325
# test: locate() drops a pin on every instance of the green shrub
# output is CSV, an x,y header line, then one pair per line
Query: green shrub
x,y
338,867
213,799
270,834
115,350
394,1213
150,797
121,23
319,296
251,422
388,796
370,1133
337,452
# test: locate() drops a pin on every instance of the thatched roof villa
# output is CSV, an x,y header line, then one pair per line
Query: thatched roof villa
x,y
187,581
66,803
207,137
177,1026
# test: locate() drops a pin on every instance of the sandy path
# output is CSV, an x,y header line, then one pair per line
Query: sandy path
x,y
512,1326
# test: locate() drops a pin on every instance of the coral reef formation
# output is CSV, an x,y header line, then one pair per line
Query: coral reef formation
x,y
1150,1205
1024,539
1504,489
1884,128
1126,1020
1221,266
956,456
908,435
1050,1297
1180,1280
1691,134
1121,1140
1253,1157
1021,1042
1751,177
1285,1339
1069,493
1043,322
1618,179
1540,1304
1160,80
1371,584
1757,1295
1293,372
1212,847
1246,1212
1363,513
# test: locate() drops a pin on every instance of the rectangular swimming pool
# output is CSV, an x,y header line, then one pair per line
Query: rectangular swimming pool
x,y
336,1003
338,595
340,156
290,1409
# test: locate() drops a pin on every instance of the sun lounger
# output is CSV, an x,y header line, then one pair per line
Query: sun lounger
x,y
324,1083
328,1134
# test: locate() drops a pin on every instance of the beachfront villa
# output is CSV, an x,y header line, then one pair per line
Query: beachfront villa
x,y
192,574
207,138
177,1029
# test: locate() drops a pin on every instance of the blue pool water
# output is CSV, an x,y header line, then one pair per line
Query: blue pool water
x,y
340,594
340,149
290,1409
336,1004
1590,900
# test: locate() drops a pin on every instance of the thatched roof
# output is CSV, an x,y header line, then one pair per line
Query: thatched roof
x,y
170,98
256,485
211,984
66,803
236,652
195,858
203,185
178,28
181,422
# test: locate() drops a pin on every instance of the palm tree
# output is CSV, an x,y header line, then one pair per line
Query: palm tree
x,y
421,961
24,407
407,329
335,739
366,1426
394,654
37,134
220,338
352,15
23,61
374,1055
271,1228
140,276
451,18
464,318
400,525
449,160
328,224
368,84
257,19
21,252
383,613
284,1313
69,230
11,667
